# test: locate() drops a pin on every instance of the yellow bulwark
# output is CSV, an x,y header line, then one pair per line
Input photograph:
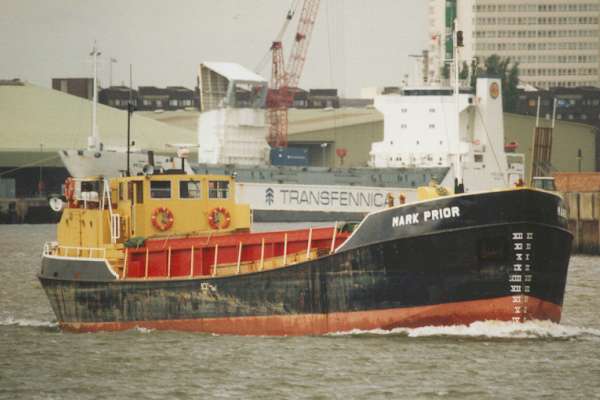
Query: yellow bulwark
x,y
105,214
431,192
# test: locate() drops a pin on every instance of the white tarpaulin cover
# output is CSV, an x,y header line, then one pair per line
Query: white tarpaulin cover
x,y
233,71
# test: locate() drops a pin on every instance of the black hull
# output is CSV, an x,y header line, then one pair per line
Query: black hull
x,y
514,269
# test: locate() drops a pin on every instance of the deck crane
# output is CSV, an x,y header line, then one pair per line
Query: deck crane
x,y
285,77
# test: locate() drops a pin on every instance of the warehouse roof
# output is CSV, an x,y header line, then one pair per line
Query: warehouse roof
x,y
33,117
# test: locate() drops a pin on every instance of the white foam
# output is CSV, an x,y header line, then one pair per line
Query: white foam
x,y
11,321
489,329
141,329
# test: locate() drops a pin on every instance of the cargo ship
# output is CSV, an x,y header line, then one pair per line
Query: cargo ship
x,y
175,252
430,133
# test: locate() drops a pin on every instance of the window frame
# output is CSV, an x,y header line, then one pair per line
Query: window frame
x,y
218,190
155,191
185,182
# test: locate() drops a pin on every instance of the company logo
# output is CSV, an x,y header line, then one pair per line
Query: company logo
x,y
332,198
494,90
269,196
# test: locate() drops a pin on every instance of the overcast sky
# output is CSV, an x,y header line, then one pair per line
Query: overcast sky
x,y
355,43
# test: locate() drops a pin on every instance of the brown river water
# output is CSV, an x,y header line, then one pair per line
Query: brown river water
x,y
487,360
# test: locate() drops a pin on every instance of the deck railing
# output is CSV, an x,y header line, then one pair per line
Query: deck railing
x,y
54,249
139,263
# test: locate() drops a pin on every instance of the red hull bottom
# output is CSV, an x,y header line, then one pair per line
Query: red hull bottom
x,y
459,313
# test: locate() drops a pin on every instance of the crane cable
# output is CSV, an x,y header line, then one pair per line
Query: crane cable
x,y
31,164
487,134
331,79
288,18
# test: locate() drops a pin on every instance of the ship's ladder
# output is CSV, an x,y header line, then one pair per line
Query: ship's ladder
x,y
115,219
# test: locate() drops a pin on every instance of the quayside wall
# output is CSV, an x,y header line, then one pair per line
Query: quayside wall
x,y
581,191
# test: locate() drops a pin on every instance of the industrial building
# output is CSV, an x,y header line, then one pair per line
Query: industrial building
x,y
37,122
580,104
150,98
80,87
323,131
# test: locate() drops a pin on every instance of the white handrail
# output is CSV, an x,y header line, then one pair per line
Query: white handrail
x,y
49,248
262,253
115,219
309,243
333,238
285,249
54,249
239,258
215,261
115,227
192,262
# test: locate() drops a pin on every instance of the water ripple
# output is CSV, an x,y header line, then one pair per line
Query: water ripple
x,y
11,321
534,360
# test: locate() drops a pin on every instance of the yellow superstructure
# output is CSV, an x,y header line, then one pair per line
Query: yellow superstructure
x,y
105,213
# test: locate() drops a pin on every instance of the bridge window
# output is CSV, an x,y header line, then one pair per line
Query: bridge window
x,y
189,189
218,189
90,186
160,189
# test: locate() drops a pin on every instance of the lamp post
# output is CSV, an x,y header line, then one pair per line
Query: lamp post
x,y
41,181
130,110
94,140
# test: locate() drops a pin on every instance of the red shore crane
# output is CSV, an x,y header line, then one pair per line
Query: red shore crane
x,y
284,78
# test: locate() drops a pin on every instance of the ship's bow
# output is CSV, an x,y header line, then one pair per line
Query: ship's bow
x,y
498,255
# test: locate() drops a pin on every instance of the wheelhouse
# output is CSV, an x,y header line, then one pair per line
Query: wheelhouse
x,y
99,211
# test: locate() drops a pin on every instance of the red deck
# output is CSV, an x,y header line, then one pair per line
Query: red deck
x,y
195,256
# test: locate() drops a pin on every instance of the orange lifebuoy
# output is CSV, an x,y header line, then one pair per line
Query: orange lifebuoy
x,y
166,220
219,218
69,191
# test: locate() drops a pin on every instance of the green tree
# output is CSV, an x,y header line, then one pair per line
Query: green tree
x,y
476,70
446,71
462,74
508,72
464,71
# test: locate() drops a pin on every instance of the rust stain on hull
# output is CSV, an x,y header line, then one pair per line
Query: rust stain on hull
x,y
459,313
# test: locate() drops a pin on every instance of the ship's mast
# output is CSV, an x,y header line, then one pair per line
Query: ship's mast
x,y
94,139
458,175
130,109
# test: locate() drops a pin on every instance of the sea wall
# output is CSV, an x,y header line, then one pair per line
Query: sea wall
x,y
26,211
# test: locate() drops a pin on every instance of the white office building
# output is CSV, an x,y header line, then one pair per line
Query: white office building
x,y
556,42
